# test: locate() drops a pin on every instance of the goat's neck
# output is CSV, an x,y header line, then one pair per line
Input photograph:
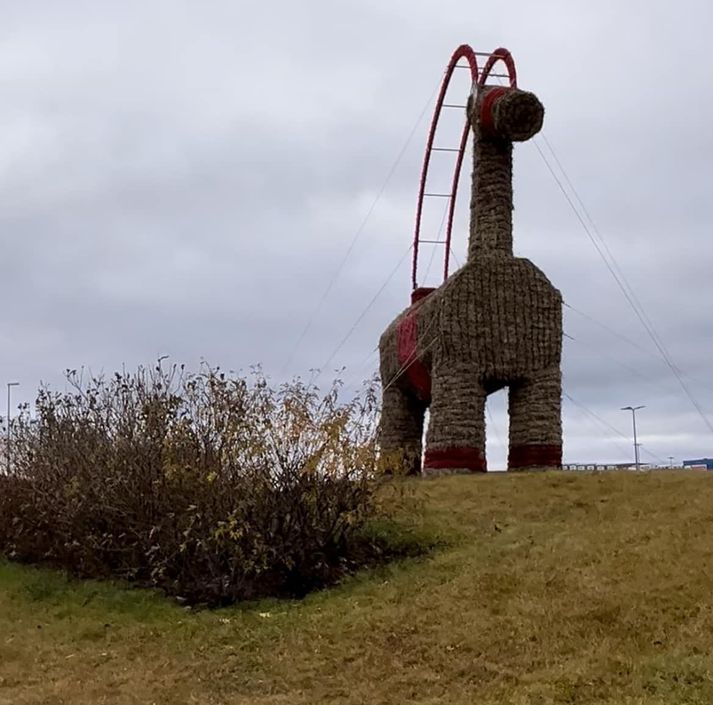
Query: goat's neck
x,y
491,198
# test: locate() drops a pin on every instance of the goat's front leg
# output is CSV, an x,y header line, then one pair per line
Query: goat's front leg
x,y
536,422
455,441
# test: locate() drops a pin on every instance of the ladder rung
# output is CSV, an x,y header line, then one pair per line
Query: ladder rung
x,y
444,149
434,242
453,105
438,195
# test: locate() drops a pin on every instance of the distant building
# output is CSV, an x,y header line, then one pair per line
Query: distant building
x,y
699,463
603,466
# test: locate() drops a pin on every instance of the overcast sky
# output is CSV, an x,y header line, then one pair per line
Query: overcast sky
x,y
185,178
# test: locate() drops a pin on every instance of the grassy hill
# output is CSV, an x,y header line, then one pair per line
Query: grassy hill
x,y
554,588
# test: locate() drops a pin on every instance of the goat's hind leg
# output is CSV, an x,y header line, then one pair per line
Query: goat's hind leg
x,y
401,431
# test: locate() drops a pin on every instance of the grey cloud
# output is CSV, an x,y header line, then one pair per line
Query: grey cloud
x,y
185,179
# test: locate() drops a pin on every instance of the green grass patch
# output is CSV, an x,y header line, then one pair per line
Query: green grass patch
x,y
528,589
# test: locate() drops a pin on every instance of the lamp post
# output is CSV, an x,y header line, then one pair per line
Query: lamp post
x,y
633,410
10,385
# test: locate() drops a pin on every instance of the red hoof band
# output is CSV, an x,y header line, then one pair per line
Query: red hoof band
x,y
470,459
535,456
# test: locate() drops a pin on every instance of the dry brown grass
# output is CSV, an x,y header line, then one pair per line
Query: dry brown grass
x,y
557,588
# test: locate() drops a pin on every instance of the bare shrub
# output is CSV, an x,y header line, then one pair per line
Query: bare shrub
x,y
212,486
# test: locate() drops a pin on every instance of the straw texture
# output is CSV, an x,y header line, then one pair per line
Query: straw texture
x,y
496,322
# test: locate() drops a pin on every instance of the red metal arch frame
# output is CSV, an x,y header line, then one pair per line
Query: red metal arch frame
x,y
478,80
499,55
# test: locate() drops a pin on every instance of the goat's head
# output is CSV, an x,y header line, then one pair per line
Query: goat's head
x,y
497,112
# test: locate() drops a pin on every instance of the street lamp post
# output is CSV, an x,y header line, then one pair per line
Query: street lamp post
x,y
10,385
633,410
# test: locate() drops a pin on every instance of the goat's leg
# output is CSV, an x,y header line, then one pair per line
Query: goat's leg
x,y
455,441
401,431
535,407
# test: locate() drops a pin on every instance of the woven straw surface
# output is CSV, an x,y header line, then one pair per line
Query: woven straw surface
x,y
496,322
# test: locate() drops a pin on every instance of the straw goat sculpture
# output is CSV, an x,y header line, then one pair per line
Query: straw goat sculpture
x,y
494,323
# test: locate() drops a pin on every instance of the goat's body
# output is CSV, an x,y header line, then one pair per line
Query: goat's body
x,y
501,315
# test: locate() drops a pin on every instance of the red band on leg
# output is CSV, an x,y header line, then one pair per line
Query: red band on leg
x,y
454,459
534,455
